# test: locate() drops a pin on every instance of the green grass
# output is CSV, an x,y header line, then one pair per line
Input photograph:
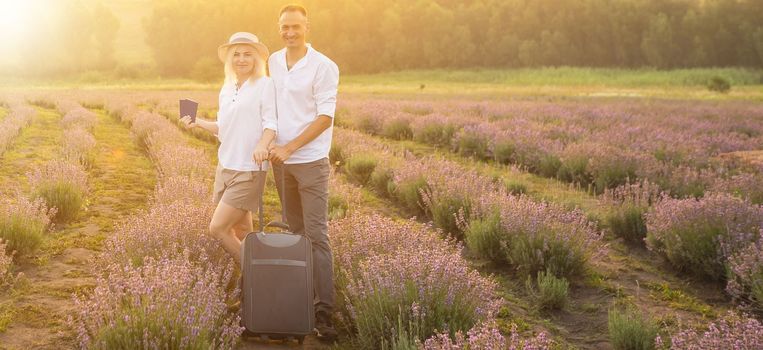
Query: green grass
x,y
125,176
486,83
66,198
37,143
559,82
680,300
360,167
7,312
566,76
22,234
631,329
548,291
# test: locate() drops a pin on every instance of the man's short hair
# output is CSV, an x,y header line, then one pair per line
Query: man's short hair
x,y
292,8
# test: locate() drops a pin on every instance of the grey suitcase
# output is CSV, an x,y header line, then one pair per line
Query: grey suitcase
x,y
277,284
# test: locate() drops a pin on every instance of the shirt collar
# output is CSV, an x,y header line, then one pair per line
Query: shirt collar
x,y
303,61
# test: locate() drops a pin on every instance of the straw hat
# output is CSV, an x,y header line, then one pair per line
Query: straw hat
x,y
246,39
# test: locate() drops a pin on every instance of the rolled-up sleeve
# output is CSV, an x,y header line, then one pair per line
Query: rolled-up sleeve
x,y
268,107
325,88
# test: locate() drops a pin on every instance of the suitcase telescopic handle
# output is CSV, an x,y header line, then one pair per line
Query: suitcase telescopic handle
x,y
276,224
282,195
260,205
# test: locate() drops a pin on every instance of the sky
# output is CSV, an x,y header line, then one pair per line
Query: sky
x,y
20,18
16,20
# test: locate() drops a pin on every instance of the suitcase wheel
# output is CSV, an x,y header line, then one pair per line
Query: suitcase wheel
x,y
265,337
301,339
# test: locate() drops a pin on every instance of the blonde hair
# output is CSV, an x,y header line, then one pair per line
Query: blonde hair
x,y
259,69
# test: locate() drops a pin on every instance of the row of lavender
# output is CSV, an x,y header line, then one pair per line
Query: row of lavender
x,y
531,236
684,147
717,237
164,283
19,211
401,286
63,182
18,116
59,186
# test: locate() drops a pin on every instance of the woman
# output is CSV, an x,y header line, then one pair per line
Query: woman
x,y
246,124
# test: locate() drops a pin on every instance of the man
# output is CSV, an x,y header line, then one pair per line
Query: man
x,y
306,86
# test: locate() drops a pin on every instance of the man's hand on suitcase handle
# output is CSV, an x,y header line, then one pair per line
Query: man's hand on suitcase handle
x,y
280,154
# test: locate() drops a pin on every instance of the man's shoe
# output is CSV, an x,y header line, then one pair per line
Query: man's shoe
x,y
325,327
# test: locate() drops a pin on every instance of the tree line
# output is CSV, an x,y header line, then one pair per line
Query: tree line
x,y
370,36
387,35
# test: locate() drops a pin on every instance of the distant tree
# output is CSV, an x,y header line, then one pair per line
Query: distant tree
x,y
179,33
758,39
107,25
75,31
657,42
529,53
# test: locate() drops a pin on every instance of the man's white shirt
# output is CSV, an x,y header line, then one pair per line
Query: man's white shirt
x,y
303,93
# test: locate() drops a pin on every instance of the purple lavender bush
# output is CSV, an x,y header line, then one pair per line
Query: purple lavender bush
x,y
78,146
745,185
745,280
532,236
626,207
486,336
10,126
6,264
182,188
401,273
160,233
62,185
699,235
78,117
450,191
164,304
23,223
733,331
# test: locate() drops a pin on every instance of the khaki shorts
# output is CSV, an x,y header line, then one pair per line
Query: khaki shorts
x,y
239,189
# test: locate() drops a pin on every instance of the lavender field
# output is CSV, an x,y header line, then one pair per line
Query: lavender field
x,y
458,221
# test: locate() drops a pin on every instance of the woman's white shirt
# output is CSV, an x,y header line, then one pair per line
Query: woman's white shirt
x,y
243,115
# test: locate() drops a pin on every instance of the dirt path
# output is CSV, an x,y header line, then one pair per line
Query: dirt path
x,y
120,181
37,143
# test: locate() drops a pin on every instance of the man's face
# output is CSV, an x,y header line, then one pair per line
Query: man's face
x,y
293,27
243,59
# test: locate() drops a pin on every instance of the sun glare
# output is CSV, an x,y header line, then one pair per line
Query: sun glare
x,y
14,20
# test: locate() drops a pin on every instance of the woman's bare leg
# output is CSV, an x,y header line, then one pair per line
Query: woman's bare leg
x,y
243,226
222,226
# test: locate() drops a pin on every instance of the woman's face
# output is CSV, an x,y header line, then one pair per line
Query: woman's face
x,y
243,60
